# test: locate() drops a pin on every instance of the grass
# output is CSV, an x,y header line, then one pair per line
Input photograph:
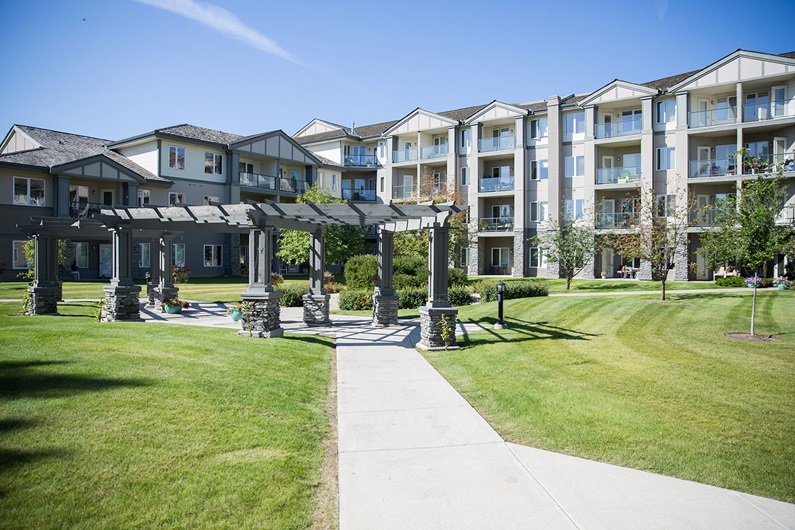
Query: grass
x,y
639,383
106,426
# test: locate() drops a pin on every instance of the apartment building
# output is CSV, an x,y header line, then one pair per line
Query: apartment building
x,y
519,166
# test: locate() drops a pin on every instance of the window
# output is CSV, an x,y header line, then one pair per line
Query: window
x,y
28,191
756,106
666,111
176,157
631,121
209,199
213,163
666,205
19,256
334,182
466,139
382,184
212,255
144,260
574,123
465,176
78,197
574,209
439,181
542,211
537,258
179,254
534,211
245,167
574,166
539,128
501,257
666,158
540,169
381,149
80,255
176,199
465,256
144,198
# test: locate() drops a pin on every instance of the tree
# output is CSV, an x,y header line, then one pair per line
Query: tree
x,y
746,232
341,242
572,247
657,232
29,251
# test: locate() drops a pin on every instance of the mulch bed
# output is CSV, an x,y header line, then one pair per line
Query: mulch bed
x,y
747,337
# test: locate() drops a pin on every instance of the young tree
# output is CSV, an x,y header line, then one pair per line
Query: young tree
x,y
341,242
657,232
746,232
571,246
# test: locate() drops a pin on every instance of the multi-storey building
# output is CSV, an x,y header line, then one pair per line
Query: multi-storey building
x,y
517,166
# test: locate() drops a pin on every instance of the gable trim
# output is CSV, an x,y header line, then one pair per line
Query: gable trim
x,y
496,104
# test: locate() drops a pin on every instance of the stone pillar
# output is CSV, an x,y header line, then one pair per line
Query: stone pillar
x,y
162,277
316,306
261,312
438,319
46,289
121,296
154,273
385,300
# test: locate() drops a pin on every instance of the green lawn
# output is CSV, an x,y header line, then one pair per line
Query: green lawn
x,y
110,426
639,383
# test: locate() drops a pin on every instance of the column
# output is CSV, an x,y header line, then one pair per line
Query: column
x,y
477,265
62,206
154,272
385,300
519,199
316,306
234,178
261,313
164,286
589,191
647,176
46,289
555,157
438,319
121,296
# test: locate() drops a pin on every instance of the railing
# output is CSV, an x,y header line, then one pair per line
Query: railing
x,y
358,195
618,128
405,155
765,111
614,175
496,144
434,151
768,163
495,224
616,220
786,216
496,184
712,168
270,183
84,209
361,161
708,118
405,192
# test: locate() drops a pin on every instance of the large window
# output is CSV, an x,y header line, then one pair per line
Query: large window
x,y
19,256
145,259
574,166
176,157
666,158
538,211
537,258
144,198
179,254
28,191
78,197
80,253
574,123
574,209
666,111
245,167
212,255
501,257
176,199
540,169
539,128
213,163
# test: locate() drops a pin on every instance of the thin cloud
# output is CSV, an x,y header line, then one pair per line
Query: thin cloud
x,y
661,8
223,21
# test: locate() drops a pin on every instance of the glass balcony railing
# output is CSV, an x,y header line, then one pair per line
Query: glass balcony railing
x,y
615,175
765,111
361,161
616,220
708,118
358,195
434,151
406,155
270,183
496,184
495,224
711,168
405,192
753,165
496,144
619,128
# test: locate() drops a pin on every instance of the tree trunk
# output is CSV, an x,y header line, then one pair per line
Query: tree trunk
x,y
568,282
662,291
753,311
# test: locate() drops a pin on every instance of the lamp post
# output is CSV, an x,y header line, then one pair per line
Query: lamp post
x,y
500,292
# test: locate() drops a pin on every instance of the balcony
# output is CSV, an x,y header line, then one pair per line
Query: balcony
x,y
619,128
361,161
708,118
81,210
496,184
754,165
617,175
786,217
434,151
358,195
406,155
712,168
616,220
272,184
765,111
495,224
405,192
501,143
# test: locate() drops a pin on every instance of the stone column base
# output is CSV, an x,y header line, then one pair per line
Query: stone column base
x,y
122,303
151,293
385,310
261,315
43,299
316,309
433,321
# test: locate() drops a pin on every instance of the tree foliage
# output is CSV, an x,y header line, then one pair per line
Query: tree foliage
x,y
571,246
341,242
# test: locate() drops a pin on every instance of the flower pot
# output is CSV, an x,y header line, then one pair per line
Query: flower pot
x,y
236,315
782,287
173,309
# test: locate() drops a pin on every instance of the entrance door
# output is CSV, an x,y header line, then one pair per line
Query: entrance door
x,y
107,197
704,164
105,261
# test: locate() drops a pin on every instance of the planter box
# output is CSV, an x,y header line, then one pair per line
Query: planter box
x,y
173,309
236,315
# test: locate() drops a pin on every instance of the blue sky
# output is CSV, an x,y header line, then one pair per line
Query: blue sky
x,y
116,68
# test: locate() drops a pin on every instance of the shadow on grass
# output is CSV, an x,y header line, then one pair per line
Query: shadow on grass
x,y
21,379
522,331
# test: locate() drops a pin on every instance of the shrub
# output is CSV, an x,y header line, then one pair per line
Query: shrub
x,y
487,289
459,295
276,279
180,275
457,276
411,265
768,282
361,271
406,281
293,296
412,298
730,281
513,289
356,300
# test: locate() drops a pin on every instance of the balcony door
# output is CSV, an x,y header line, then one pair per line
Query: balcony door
x,y
608,213
107,197
779,150
779,103
608,118
702,204
701,113
704,165
702,272
501,259
439,145
501,212
408,186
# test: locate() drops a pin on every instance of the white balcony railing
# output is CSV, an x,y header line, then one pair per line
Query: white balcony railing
x,y
615,175
496,184
708,118
619,128
496,144
434,151
405,155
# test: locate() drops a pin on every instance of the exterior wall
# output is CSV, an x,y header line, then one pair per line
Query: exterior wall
x,y
194,163
145,155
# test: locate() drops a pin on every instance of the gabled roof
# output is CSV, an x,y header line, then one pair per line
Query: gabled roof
x,y
667,82
187,132
363,132
461,114
328,124
532,106
784,58
616,85
416,112
277,144
497,105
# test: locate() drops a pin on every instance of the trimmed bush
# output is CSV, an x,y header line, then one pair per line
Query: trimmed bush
x,y
513,289
293,296
412,298
730,281
767,282
487,289
457,276
411,265
406,281
356,300
459,295
361,271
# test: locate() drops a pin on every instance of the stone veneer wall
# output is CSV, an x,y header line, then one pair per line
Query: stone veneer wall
x,y
316,309
385,310
44,300
431,328
261,317
518,255
122,303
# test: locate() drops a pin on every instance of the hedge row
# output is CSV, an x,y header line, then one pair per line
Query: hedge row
x,y
409,272
513,289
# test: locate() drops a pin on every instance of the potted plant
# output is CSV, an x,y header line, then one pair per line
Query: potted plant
x,y
235,311
174,305
753,281
782,283
604,275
